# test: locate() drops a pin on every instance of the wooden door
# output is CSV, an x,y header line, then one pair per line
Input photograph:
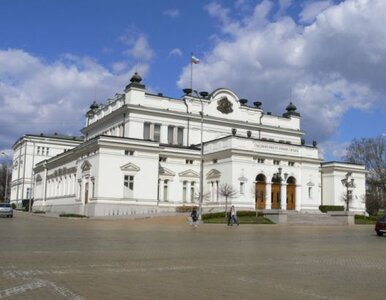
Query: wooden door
x,y
275,195
260,195
291,196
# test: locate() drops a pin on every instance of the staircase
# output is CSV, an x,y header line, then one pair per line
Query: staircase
x,y
311,218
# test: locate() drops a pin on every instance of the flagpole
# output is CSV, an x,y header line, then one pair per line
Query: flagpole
x,y
191,71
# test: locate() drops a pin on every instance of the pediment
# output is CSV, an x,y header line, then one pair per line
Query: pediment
x,y
189,173
166,172
213,174
130,167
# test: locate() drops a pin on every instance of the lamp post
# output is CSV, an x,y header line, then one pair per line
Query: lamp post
x,y
201,96
279,179
348,182
6,178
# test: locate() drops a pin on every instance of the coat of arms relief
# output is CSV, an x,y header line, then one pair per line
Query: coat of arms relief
x,y
224,105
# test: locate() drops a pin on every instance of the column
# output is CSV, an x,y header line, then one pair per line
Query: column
x,y
298,197
283,196
161,190
268,192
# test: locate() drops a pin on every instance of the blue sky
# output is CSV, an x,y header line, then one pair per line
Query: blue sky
x,y
327,57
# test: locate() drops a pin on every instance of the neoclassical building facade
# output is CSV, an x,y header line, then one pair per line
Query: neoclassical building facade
x,y
148,153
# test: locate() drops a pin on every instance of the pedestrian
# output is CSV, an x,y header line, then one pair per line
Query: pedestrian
x,y
194,216
233,216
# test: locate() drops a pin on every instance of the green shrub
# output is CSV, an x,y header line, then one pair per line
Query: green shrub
x,y
39,212
72,216
13,206
326,208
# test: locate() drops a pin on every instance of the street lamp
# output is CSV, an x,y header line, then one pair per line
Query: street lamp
x,y
279,179
201,96
348,182
6,178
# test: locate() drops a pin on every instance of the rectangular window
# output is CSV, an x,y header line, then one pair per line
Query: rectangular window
x,y
189,161
242,187
170,134
291,163
38,150
192,191
180,136
162,159
157,132
129,152
276,162
166,190
146,131
184,190
47,151
128,182
260,160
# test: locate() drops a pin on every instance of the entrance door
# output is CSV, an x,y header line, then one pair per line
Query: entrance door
x,y
275,195
291,194
260,195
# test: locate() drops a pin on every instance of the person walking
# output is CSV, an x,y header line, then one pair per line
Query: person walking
x,y
194,216
233,216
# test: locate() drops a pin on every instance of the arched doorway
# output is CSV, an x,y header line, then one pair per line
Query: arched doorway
x,y
260,191
275,193
291,193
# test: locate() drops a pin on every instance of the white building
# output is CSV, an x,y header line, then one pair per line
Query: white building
x,y
27,152
142,154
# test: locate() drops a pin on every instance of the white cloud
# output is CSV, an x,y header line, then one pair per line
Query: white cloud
x,y
38,96
176,51
312,9
139,47
331,65
173,13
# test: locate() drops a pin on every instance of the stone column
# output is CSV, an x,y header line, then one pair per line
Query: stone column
x,y
298,197
283,196
268,192
161,190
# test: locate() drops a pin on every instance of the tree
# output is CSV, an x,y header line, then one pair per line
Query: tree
x,y
4,179
371,152
226,190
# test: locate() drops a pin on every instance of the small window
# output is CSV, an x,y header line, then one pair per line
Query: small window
x,y
189,162
291,163
276,162
146,131
38,151
215,161
157,132
260,160
129,152
129,182
162,159
242,187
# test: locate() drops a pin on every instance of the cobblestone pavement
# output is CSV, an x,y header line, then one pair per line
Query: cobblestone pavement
x,y
165,258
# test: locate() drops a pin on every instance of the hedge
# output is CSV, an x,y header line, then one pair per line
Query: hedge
x,y
326,208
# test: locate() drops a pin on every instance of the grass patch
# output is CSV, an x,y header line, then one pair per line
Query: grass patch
x,y
244,217
362,220
72,216
39,212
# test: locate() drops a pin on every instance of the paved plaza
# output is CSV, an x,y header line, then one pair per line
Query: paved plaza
x,y
164,258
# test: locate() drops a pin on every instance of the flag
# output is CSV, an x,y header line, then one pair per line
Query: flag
x,y
195,60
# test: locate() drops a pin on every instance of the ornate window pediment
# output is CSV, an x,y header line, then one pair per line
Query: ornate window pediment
x,y
213,174
189,173
130,167
166,172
